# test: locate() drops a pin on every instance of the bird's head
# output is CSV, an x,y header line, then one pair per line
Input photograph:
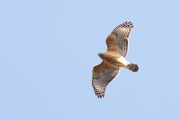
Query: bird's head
x,y
101,55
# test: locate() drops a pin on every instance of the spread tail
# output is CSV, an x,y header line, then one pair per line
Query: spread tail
x,y
133,67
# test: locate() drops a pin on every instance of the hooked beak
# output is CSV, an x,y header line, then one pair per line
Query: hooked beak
x,y
100,55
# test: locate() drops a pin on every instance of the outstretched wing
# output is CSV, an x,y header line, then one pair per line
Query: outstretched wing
x,y
122,33
102,75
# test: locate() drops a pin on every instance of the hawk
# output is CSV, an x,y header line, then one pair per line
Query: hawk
x,y
113,59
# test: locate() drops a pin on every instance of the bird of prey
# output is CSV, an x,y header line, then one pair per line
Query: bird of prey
x,y
113,59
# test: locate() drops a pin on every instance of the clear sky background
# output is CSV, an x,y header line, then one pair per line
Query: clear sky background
x,y
48,49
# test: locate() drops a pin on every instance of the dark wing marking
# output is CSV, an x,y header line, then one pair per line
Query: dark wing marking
x,y
122,33
100,82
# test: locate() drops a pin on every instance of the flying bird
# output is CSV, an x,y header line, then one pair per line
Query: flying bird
x,y
113,59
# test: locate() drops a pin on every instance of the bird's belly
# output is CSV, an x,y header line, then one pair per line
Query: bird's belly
x,y
115,62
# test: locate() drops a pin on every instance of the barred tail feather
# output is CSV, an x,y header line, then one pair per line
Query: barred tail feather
x,y
133,67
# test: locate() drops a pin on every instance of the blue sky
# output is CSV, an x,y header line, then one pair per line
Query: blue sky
x,y
48,50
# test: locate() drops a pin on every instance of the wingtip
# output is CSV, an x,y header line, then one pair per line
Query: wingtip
x,y
100,96
126,25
